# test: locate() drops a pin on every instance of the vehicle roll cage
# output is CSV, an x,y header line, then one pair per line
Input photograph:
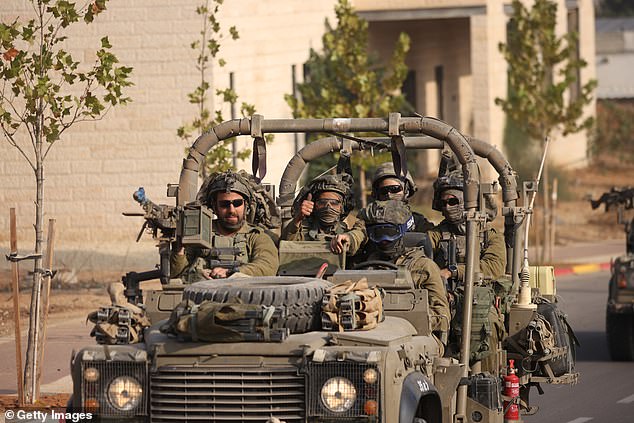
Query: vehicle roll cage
x,y
398,134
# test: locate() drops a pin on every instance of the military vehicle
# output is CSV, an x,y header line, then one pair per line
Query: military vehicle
x,y
619,319
287,368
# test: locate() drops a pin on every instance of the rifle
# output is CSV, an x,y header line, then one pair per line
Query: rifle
x,y
451,262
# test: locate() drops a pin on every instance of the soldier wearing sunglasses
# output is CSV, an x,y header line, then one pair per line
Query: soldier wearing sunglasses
x,y
449,199
229,195
319,212
386,185
386,223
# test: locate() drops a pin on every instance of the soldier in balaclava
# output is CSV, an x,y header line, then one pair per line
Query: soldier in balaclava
x,y
319,212
386,223
386,185
229,195
449,199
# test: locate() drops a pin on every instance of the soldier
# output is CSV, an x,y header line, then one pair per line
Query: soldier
x,y
387,186
386,223
228,194
449,199
320,210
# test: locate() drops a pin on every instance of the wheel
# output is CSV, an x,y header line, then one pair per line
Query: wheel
x,y
375,264
620,333
300,296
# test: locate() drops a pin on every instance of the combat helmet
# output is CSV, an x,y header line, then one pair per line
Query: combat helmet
x,y
451,180
386,170
228,181
387,220
341,183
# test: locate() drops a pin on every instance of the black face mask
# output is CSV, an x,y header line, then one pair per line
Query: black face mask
x,y
390,251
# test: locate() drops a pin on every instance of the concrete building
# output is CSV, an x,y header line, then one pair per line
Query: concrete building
x,y
615,58
456,74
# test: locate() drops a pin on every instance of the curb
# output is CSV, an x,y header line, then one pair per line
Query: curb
x,y
579,269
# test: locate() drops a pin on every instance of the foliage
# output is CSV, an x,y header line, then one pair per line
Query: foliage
x,y
38,74
220,157
535,55
44,92
346,79
615,130
615,8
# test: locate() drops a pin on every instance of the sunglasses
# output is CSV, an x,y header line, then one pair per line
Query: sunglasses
x,y
323,202
453,201
389,189
226,203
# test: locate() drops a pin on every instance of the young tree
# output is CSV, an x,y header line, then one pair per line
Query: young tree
x,y
220,157
44,92
541,69
346,79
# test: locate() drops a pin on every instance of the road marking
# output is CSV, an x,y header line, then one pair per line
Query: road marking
x,y
626,400
581,420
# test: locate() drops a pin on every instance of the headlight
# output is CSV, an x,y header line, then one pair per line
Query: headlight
x,y
338,394
124,393
91,374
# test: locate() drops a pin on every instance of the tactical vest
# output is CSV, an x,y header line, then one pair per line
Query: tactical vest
x,y
225,249
461,248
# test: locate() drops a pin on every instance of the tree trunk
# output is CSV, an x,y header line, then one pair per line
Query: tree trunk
x,y
32,355
363,188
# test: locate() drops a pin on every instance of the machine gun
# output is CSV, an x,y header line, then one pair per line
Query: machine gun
x,y
158,217
615,197
623,199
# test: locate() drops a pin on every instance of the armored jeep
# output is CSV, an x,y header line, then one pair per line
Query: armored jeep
x,y
293,370
619,320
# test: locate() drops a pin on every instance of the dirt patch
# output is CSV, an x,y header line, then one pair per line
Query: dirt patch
x,y
63,304
46,402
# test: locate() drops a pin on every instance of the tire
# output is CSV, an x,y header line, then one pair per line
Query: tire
x,y
620,334
300,296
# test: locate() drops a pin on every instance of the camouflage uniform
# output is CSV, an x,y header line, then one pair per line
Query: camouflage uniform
x,y
492,250
249,246
257,254
425,273
310,229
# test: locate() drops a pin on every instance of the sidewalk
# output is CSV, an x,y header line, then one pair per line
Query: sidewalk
x,y
585,257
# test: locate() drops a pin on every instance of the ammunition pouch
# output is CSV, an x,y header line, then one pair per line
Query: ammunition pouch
x,y
487,324
118,325
226,322
352,306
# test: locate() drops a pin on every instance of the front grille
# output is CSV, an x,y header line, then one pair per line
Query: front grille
x,y
320,373
226,394
94,394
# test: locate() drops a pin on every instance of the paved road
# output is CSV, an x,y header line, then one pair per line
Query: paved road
x,y
63,337
605,392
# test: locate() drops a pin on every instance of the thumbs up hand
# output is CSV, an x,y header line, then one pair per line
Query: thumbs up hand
x,y
305,209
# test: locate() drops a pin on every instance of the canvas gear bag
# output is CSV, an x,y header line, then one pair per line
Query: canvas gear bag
x,y
352,306
118,324
226,322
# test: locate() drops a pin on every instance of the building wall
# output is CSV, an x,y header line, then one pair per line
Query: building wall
x,y
92,172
